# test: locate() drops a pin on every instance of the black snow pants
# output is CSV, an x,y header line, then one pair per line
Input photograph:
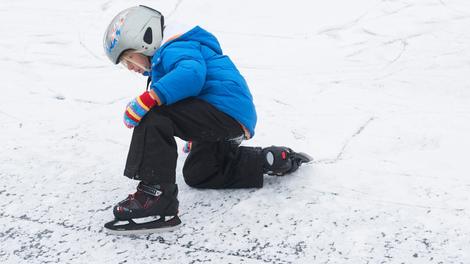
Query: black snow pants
x,y
216,160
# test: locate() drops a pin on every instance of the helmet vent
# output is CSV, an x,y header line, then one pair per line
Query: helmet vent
x,y
148,36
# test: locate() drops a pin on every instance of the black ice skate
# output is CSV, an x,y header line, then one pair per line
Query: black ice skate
x,y
282,160
152,209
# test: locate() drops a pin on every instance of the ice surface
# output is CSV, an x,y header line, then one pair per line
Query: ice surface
x,y
376,91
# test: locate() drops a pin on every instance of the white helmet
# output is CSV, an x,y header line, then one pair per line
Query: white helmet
x,y
138,28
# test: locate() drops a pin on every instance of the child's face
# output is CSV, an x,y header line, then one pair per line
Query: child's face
x,y
137,62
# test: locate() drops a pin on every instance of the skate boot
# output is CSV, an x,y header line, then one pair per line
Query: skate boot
x,y
282,160
153,208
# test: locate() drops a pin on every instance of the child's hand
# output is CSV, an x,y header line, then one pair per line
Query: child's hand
x,y
137,108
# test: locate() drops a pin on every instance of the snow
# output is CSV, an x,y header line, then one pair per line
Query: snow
x,y
376,91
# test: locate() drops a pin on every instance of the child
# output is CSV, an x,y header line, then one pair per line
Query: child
x,y
197,94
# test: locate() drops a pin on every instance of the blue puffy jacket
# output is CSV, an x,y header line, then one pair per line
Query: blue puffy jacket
x,y
193,65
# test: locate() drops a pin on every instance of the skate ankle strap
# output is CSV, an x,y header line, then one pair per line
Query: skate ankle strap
x,y
151,190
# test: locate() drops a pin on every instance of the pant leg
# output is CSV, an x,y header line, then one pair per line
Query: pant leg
x,y
153,152
223,164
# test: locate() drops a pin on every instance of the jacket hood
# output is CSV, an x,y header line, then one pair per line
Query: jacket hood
x,y
175,31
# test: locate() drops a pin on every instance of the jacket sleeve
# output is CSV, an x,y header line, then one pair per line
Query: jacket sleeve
x,y
184,72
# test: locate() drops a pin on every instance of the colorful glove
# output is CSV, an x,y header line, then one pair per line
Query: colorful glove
x,y
187,147
137,108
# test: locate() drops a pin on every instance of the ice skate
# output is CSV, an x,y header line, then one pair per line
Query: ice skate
x,y
152,209
279,161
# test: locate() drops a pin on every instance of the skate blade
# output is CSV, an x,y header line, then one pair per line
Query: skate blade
x,y
137,226
142,231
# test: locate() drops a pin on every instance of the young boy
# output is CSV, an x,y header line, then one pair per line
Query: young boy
x,y
197,94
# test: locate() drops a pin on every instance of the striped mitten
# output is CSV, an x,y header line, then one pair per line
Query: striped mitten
x,y
187,147
137,108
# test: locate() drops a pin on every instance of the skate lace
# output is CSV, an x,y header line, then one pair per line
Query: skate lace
x,y
139,192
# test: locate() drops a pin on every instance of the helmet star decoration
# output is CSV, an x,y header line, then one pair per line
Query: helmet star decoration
x,y
114,36
117,30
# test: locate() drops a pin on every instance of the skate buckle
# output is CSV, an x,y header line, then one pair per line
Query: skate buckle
x,y
150,190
